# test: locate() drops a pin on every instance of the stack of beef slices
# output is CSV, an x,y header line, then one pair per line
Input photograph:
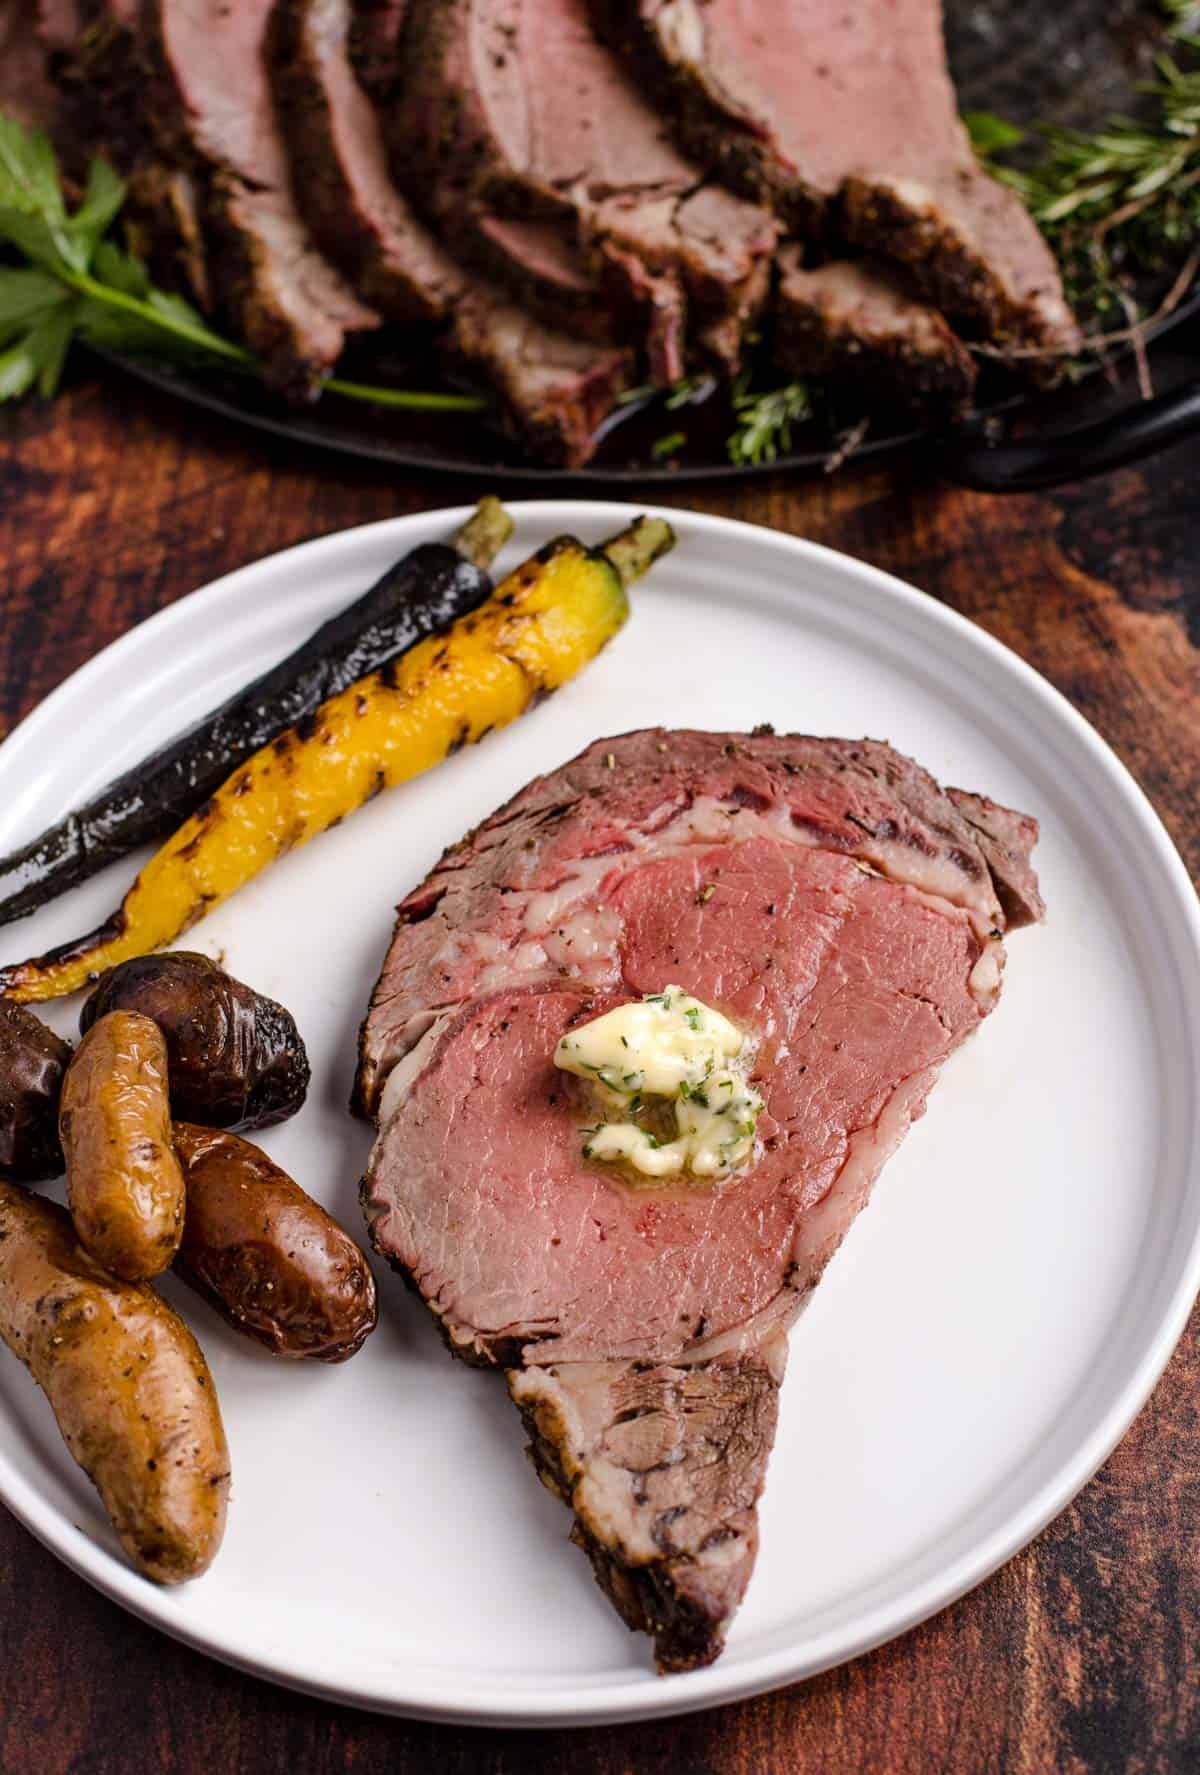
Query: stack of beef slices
x,y
567,198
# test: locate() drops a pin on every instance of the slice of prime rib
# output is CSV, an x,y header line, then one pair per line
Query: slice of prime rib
x,y
828,897
375,27
213,115
537,154
849,323
26,90
845,118
95,51
56,22
554,389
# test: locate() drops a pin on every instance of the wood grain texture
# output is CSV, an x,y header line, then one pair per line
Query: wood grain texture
x,y
1081,1656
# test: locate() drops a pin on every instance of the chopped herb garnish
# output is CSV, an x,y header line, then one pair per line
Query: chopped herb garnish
x,y
692,1017
706,893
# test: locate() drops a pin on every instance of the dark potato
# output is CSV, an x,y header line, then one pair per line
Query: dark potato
x,y
236,1058
124,1184
32,1063
265,1255
128,1384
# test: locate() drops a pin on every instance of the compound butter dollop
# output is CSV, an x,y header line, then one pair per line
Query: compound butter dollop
x,y
667,1049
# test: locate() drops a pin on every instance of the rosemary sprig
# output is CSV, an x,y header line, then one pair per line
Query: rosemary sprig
x,y
73,281
1123,197
1183,17
764,420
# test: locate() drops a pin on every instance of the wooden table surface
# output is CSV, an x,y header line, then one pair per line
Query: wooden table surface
x,y
1083,1653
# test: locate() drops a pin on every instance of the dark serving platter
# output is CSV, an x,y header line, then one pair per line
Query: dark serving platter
x,y
1070,64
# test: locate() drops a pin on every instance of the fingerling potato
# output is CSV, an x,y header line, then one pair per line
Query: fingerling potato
x,y
124,1184
128,1384
236,1057
265,1255
32,1063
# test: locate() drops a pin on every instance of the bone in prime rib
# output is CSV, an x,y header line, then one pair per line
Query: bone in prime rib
x,y
534,149
845,117
836,903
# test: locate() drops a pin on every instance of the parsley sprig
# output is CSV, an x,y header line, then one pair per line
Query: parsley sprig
x,y
71,280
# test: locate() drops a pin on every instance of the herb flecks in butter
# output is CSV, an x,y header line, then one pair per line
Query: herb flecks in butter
x,y
667,1049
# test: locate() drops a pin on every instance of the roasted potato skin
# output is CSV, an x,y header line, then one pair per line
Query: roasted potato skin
x,y
124,1183
236,1058
128,1384
32,1063
271,1261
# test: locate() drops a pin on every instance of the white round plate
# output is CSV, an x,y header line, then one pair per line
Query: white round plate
x,y
987,1332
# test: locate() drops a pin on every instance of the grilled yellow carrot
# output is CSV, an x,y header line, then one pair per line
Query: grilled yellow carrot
x,y
541,624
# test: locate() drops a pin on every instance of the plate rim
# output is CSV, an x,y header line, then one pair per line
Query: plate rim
x,y
624,1700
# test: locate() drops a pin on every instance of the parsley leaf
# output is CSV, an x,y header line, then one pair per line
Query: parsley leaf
x,y
989,132
76,282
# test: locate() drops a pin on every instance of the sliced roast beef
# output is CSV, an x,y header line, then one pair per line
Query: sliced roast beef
x,y
96,50
1006,839
26,90
837,905
663,1468
536,153
213,112
339,168
851,322
375,28
553,389
845,117
57,23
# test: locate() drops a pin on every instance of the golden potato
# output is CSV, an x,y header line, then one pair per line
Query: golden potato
x,y
124,1184
128,1384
